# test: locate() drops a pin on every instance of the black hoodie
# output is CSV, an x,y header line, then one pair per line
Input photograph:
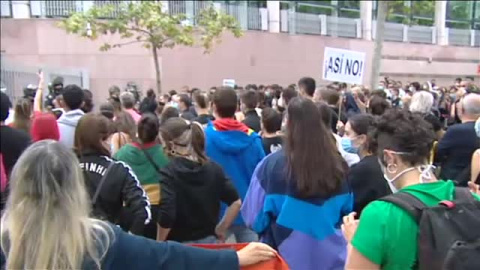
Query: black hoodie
x,y
191,196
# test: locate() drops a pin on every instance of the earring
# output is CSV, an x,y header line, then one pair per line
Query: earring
x,y
392,168
173,152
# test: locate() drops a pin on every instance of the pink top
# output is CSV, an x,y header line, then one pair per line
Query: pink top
x,y
134,115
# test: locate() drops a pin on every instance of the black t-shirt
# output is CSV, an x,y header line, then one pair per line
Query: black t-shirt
x,y
367,182
252,120
204,119
273,144
12,144
187,115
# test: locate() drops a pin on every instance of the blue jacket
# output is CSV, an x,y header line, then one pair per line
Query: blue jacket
x,y
305,231
238,153
134,252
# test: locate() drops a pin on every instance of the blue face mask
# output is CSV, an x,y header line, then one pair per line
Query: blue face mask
x,y
348,146
174,104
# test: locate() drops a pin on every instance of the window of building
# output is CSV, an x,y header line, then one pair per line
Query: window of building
x,y
460,14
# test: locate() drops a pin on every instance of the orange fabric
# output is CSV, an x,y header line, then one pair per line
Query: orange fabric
x,y
274,264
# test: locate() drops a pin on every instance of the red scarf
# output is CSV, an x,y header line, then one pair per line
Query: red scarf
x,y
144,146
226,124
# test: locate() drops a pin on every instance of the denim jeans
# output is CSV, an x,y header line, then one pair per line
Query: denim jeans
x,y
242,234
207,240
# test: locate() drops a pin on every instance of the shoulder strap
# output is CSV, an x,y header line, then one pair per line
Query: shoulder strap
x,y
407,202
150,159
463,195
104,177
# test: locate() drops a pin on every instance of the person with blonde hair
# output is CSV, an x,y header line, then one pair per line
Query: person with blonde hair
x,y
46,225
22,117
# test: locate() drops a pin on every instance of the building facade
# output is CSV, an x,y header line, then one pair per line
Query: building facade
x,y
283,41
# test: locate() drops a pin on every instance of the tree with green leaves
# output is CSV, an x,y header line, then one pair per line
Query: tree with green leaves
x,y
420,12
145,22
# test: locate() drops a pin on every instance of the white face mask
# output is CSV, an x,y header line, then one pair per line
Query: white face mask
x,y
425,173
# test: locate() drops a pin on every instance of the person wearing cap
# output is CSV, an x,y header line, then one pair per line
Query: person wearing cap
x,y
13,141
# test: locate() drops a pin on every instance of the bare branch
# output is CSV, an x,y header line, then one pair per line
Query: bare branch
x,y
128,43
136,29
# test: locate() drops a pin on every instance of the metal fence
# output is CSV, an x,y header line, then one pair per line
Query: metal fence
x,y
476,36
177,7
15,77
393,31
5,9
251,18
118,5
343,27
284,20
255,18
61,8
420,34
459,37
307,23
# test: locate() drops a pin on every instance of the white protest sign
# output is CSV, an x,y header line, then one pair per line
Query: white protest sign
x,y
341,65
229,82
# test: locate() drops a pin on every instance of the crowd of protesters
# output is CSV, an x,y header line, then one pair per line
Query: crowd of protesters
x,y
293,167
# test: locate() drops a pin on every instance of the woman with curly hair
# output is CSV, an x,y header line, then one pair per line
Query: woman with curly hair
x,y
386,237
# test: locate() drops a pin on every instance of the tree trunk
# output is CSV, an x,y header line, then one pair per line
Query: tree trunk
x,y
158,75
377,52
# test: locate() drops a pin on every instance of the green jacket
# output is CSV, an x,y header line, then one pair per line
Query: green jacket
x,y
133,155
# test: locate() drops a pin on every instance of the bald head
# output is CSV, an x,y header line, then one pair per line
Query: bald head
x,y
471,105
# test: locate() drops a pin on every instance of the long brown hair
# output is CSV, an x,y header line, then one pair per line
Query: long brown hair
x,y
23,112
125,123
91,131
314,163
176,131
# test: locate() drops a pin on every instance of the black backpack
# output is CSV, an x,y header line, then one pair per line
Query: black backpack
x,y
449,233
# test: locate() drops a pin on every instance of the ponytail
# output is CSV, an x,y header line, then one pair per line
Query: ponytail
x,y
198,142
180,133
